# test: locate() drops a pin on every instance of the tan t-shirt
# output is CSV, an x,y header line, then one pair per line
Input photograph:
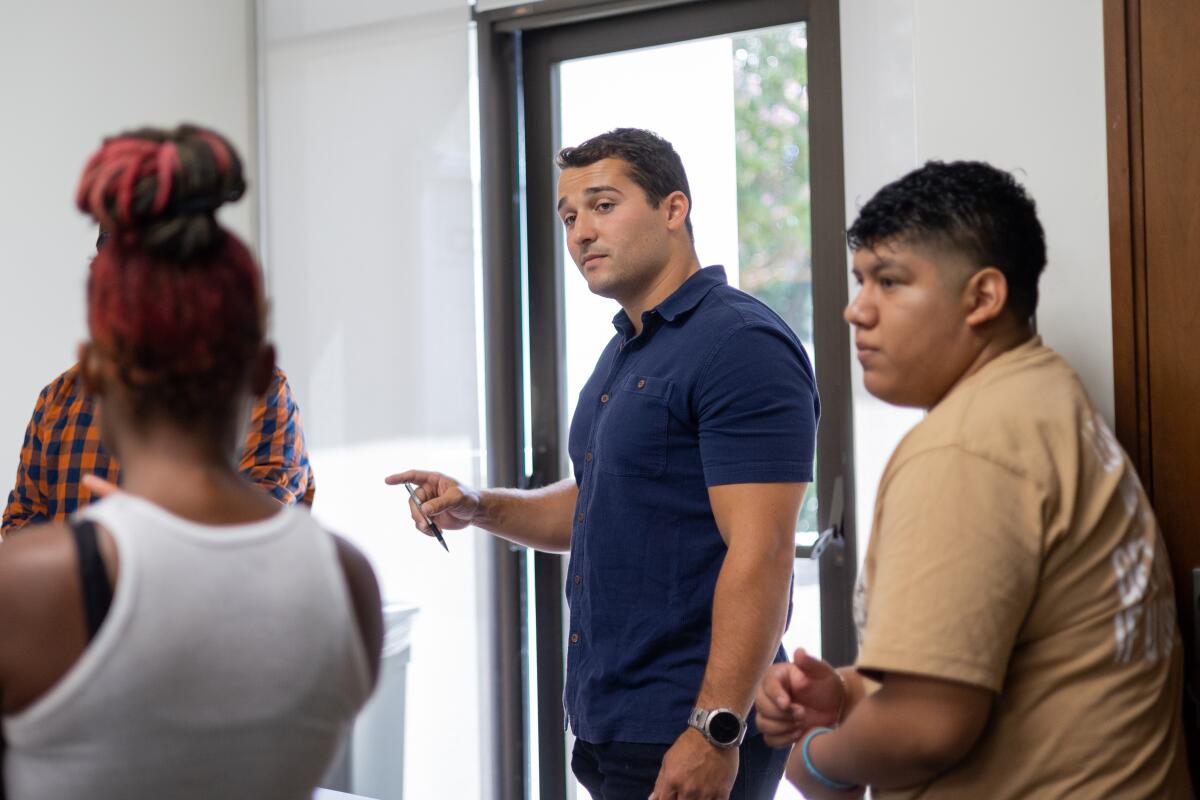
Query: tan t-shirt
x,y
1014,549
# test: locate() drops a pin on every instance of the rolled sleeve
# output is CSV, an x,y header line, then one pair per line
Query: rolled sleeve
x,y
275,455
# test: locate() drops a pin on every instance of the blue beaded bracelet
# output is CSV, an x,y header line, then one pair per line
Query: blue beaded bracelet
x,y
816,773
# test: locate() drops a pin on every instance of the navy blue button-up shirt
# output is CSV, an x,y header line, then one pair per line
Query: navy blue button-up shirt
x,y
716,389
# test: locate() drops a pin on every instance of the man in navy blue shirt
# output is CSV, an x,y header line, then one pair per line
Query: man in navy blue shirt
x,y
692,446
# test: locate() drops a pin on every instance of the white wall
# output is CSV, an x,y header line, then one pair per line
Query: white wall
x,y
1019,84
880,144
368,228
369,235
70,74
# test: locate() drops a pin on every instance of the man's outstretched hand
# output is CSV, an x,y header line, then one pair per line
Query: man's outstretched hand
x,y
450,504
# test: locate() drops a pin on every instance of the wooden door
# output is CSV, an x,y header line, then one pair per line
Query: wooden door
x,y
1153,85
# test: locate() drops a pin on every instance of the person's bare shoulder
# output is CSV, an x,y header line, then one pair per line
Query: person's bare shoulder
x,y
43,630
364,593
33,557
39,587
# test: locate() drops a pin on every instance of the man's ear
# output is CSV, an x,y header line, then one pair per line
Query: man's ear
x,y
986,296
677,207
263,371
90,369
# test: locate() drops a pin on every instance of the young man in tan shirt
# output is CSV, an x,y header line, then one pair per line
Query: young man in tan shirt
x,y
1016,612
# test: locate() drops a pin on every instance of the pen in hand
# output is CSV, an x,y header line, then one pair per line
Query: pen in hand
x,y
432,525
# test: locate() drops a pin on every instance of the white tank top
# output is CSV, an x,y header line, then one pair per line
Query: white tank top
x,y
230,665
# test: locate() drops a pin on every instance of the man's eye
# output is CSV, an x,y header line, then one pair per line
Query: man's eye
x,y
568,220
887,283
604,205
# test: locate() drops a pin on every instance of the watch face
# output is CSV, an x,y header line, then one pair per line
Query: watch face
x,y
724,727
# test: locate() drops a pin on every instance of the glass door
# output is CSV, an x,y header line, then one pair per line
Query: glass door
x,y
747,91
739,121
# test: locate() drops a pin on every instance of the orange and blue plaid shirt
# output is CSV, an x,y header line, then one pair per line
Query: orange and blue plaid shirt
x,y
62,444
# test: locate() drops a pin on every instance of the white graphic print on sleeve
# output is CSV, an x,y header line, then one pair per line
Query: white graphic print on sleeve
x,y
1146,614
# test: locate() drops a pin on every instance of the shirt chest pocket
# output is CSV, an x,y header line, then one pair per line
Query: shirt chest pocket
x,y
634,438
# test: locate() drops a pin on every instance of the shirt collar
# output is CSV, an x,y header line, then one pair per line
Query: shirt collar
x,y
684,299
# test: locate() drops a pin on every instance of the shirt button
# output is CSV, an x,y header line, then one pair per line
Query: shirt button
x,y
587,457
574,638
603,398
580,517
578,579
641,383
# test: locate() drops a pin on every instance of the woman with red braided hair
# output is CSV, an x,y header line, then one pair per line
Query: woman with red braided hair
x,y
206,642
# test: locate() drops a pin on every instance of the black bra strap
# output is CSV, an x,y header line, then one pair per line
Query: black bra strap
x,y
97,589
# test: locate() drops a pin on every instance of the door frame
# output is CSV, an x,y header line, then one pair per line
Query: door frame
x,y
1150,256
519,47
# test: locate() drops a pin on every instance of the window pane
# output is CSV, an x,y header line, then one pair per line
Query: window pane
x,y
740,123
369,245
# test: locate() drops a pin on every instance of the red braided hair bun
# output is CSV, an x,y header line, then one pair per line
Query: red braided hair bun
x,y
175,299
162,187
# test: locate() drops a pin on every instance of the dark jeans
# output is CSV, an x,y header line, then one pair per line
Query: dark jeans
x,y
625,771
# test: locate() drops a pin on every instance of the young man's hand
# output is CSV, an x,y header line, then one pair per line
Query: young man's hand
x,y
796,697
693,768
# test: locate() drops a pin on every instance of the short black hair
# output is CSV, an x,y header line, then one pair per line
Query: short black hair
x,y
653,163
969,207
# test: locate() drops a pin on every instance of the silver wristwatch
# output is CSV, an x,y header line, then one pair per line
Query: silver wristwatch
x,y
722,727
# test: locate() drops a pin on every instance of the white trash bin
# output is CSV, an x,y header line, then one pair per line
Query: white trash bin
x,y
377,745
372,761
